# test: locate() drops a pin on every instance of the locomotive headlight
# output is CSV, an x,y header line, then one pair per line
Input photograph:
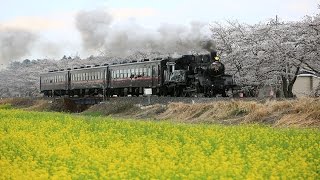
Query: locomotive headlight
x,y
217,58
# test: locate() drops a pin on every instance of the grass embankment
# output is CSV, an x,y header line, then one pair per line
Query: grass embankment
x,y
55,145
285,113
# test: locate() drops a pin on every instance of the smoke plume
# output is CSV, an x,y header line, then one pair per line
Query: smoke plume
x,y
99,33
15,43
94,27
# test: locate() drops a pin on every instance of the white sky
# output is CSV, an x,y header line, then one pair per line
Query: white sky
x,y
54,19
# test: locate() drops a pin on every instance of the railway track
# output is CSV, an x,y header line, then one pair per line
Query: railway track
x,y
147,100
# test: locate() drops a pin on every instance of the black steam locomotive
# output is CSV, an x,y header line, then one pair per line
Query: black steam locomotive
x,y
187,76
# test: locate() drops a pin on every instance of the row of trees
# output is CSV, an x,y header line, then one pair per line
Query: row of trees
x,y
271,53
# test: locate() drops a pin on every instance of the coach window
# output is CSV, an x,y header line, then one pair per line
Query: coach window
x,y
125,75
145,72
140,71
149,71
154,72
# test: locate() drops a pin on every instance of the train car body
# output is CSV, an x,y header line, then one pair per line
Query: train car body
x,y
132,78
88,81
55,83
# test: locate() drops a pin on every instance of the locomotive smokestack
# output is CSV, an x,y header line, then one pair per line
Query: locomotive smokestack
x,y
213,54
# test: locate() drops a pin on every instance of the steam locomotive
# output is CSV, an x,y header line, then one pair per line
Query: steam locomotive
x,y
187,76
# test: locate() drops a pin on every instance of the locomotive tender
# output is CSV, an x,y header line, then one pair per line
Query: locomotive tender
x,y
187,76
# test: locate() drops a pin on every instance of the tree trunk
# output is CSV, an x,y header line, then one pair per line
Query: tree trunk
x,y
284,86
287,84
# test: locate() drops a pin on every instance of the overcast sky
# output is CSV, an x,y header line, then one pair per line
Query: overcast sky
x,y
54,19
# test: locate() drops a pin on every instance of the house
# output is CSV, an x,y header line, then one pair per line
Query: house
x,y
307,84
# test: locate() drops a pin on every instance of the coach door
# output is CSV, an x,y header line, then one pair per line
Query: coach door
x,y
68,78
154,76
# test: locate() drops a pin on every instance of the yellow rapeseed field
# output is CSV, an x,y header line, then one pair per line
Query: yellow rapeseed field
x,y
42,145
